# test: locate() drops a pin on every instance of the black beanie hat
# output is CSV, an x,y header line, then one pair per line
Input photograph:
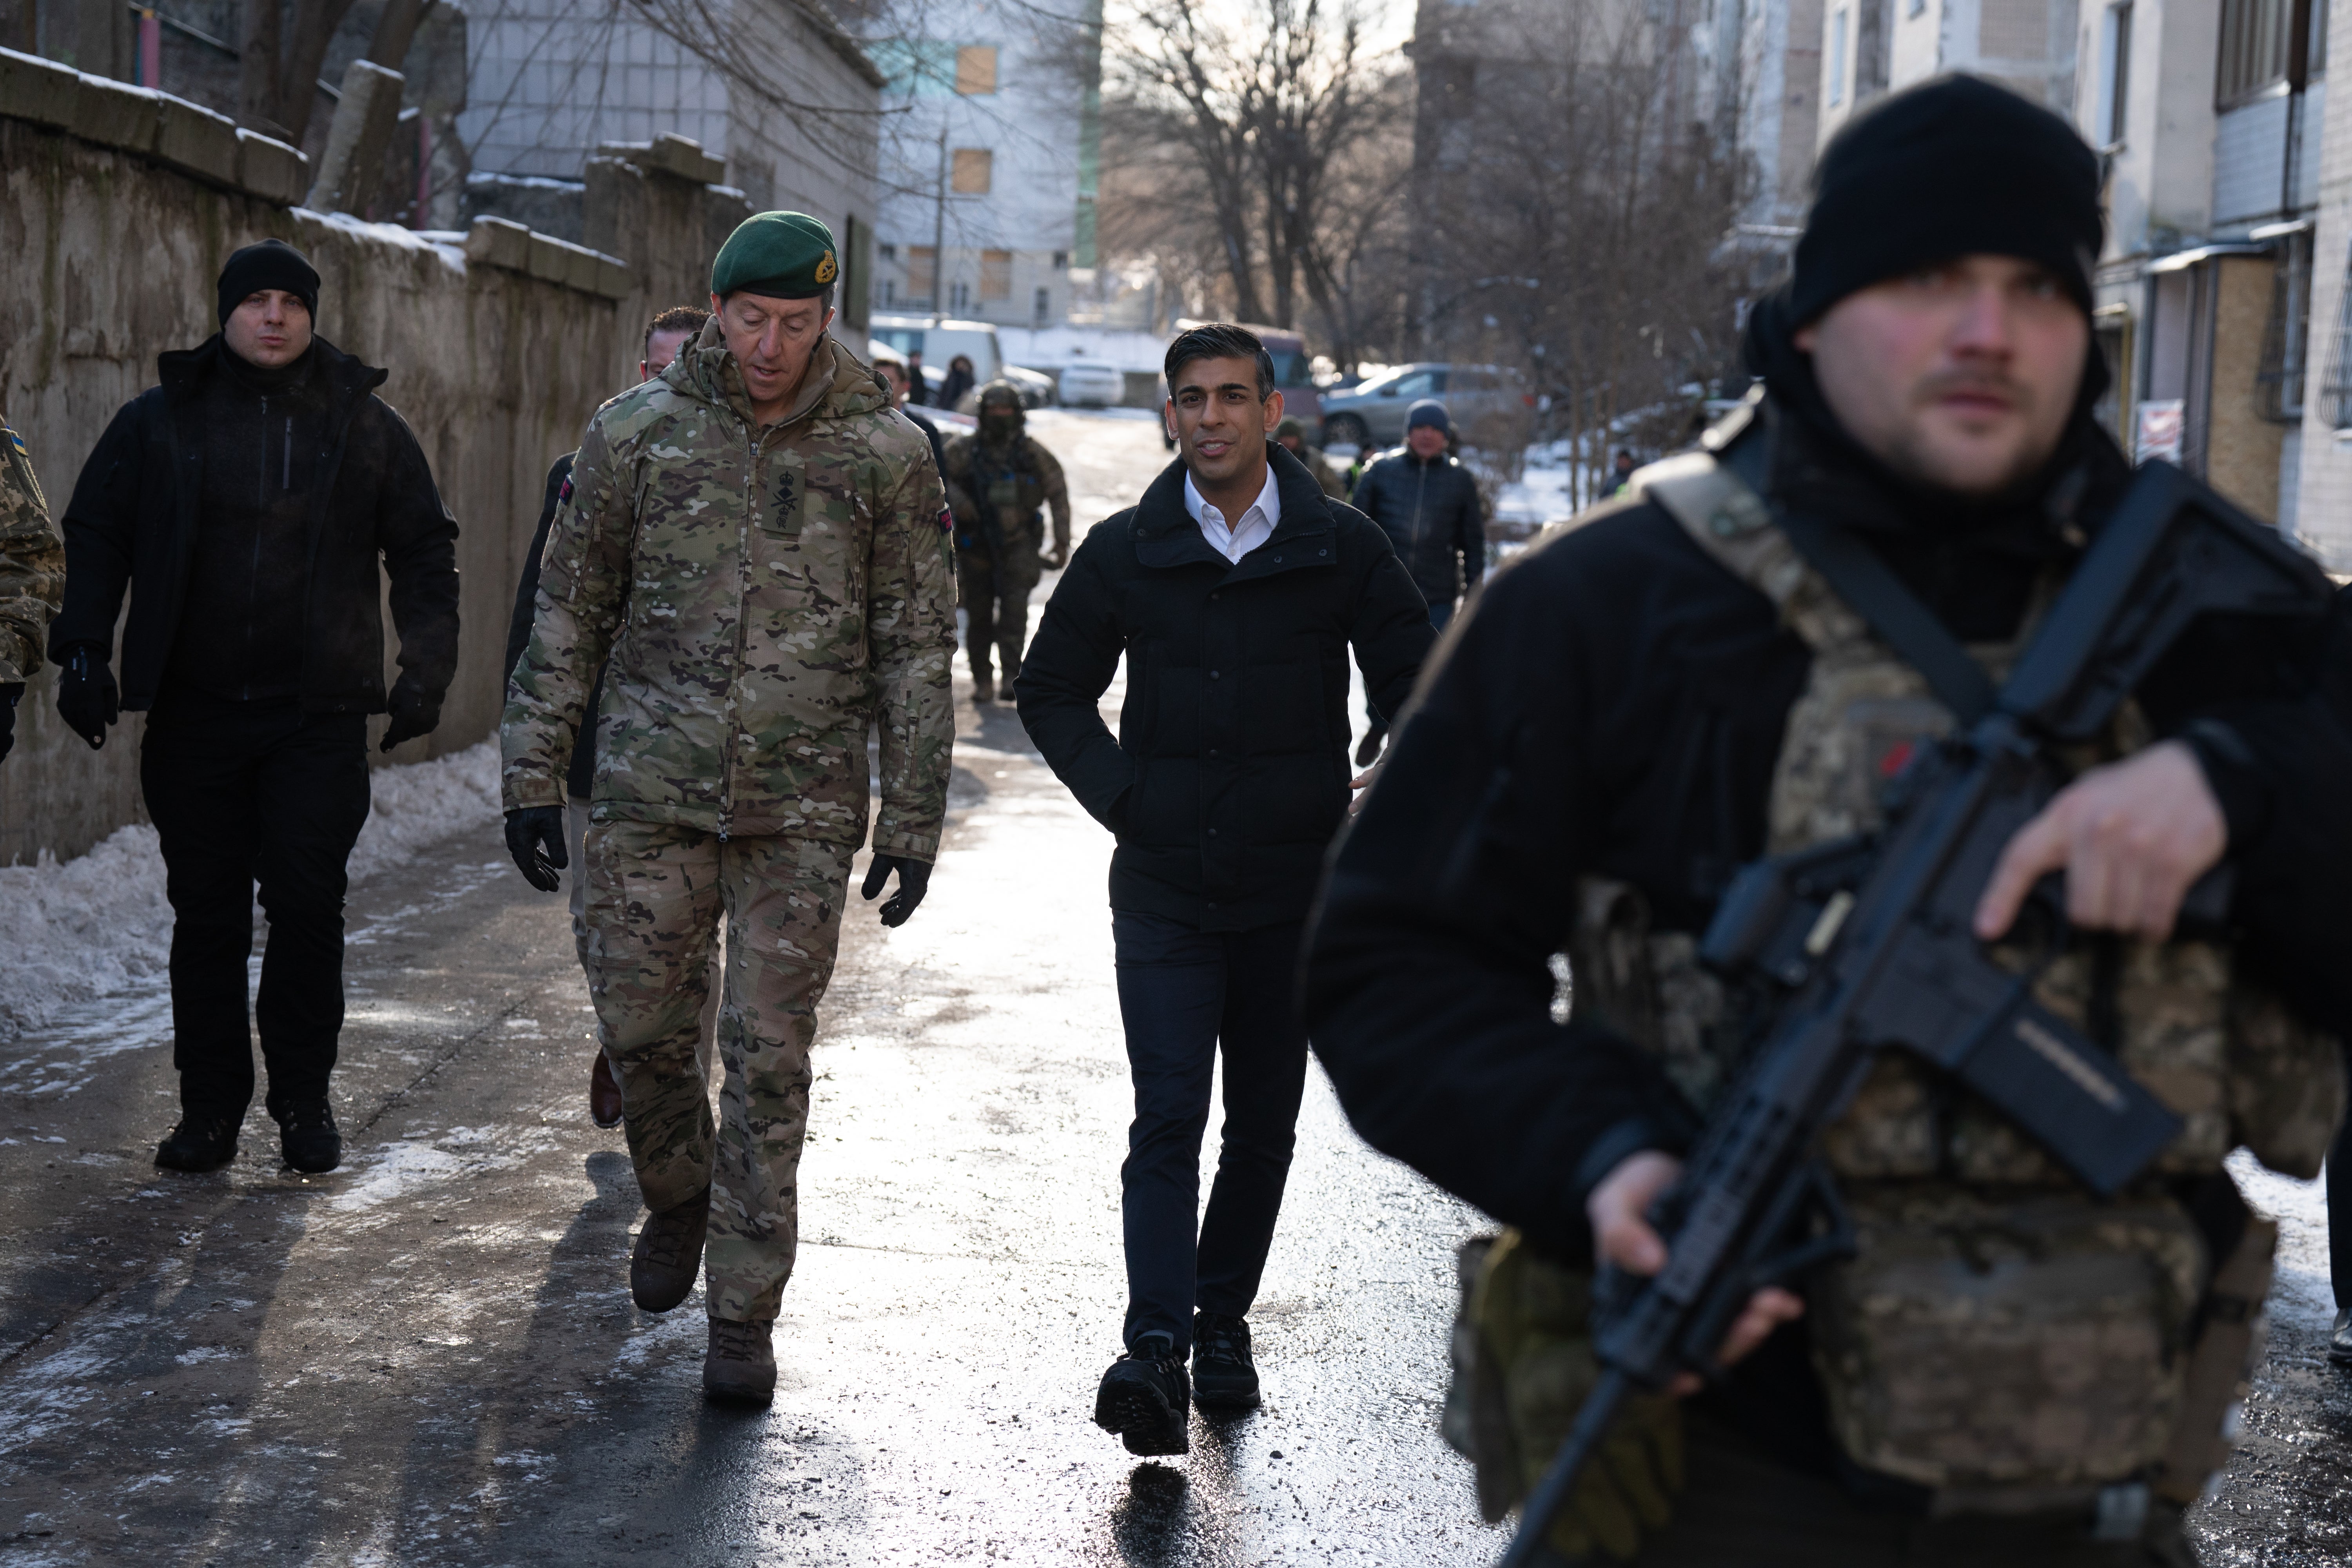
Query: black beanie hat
x,y
1955,166
272,264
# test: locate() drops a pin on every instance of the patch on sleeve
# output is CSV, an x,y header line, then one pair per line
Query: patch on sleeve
x,y
947,520
564,495
14,440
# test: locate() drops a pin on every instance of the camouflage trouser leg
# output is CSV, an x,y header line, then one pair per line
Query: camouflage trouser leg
x,y
655,899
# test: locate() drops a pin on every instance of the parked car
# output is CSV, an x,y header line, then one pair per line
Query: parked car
x,y
1091,383
1488,403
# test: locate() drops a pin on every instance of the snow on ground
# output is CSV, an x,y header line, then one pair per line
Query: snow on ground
x,y
78,930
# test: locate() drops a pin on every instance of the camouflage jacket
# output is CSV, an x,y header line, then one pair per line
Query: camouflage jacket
x,y
32,563
763,596
1026,487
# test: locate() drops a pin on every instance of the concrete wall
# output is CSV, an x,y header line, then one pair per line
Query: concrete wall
x,y
499,346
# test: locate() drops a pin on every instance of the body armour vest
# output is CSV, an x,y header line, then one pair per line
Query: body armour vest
x,y
1998,1326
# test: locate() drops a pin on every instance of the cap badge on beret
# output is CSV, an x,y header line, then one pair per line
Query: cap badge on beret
x,y
826,271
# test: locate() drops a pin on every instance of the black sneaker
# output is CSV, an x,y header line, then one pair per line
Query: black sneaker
x,y
307,1134
200,1143
1223,1372
1143,1398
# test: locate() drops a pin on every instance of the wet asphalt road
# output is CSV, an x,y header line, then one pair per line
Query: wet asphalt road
x,y
430,1356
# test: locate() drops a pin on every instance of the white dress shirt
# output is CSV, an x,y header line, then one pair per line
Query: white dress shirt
x,y
1233,541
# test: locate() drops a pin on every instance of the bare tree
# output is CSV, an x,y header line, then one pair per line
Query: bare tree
x,y
279,77
1258,118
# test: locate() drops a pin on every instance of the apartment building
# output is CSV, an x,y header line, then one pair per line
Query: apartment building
x,y
775,88
983,207
1871,46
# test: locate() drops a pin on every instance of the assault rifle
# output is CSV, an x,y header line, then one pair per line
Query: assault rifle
x,y
1868,945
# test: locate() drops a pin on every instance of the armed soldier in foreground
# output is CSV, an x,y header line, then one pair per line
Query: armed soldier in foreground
x,y
1898,1230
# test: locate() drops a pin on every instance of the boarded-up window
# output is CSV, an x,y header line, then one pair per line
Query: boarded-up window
x,y
976,70
996,274
918,273
973,169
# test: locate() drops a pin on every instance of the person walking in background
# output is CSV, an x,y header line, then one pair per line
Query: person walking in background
x,y
1428,505
1000,481
665,335
1234,591
919,391
1621,475
32,577
245,503
758,543
1291,436
957,381
899,382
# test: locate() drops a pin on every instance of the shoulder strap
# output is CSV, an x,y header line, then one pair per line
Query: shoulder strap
x,y
1731,523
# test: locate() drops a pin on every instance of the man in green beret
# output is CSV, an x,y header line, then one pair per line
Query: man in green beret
x,y
754,547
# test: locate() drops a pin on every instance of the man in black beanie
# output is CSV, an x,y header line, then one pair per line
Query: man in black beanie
x,y
244,502
2005,1370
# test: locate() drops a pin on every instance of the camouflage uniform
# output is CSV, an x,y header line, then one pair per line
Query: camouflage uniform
x,y
999,494
32,563
765,597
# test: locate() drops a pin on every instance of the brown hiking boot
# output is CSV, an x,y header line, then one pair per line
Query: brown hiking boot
x,y
741,1365
983,689
669,1254
604,1094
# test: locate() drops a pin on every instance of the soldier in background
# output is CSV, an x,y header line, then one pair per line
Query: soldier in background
x,y
32,577
2007,1370
665,335
999,483
1292,436
777,537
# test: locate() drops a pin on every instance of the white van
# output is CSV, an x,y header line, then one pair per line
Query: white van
x,y
940,340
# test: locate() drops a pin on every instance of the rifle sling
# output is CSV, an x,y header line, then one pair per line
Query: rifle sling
x,y
1872,590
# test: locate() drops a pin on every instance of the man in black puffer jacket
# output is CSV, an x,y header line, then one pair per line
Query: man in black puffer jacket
x,y
246,501
1235,590
1428,505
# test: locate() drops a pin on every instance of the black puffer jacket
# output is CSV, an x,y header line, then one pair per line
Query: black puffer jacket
x,y
581,780
1229,775
134,521
1431,513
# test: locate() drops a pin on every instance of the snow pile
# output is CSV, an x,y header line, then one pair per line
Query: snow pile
x,y
75,932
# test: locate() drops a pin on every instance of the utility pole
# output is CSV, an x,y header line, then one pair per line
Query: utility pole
x,y
939,230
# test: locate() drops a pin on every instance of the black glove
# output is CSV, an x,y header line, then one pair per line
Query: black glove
x,y
87,698
412,714
914,882
535,840
8,695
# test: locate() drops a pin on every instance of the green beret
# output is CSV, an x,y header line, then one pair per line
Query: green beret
x,y
783,256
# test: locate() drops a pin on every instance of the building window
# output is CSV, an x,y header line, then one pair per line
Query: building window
x,y
920,261
889,252
959,296
2335,392
2115,74
996,274
976,70
974,170
2253,52
1044,309
1837,58
889,290
2286,336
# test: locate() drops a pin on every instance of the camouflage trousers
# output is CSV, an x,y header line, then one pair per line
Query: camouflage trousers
x,y
995,602
657,894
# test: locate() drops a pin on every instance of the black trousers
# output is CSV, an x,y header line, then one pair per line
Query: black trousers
x,y
1184,995
245,795
996,612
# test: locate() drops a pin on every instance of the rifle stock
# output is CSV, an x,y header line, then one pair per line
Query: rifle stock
x,y
1870,944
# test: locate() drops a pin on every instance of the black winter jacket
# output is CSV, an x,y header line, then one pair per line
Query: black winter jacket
x,y
1229,775
134,521
1431,513
581,780
1614,707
